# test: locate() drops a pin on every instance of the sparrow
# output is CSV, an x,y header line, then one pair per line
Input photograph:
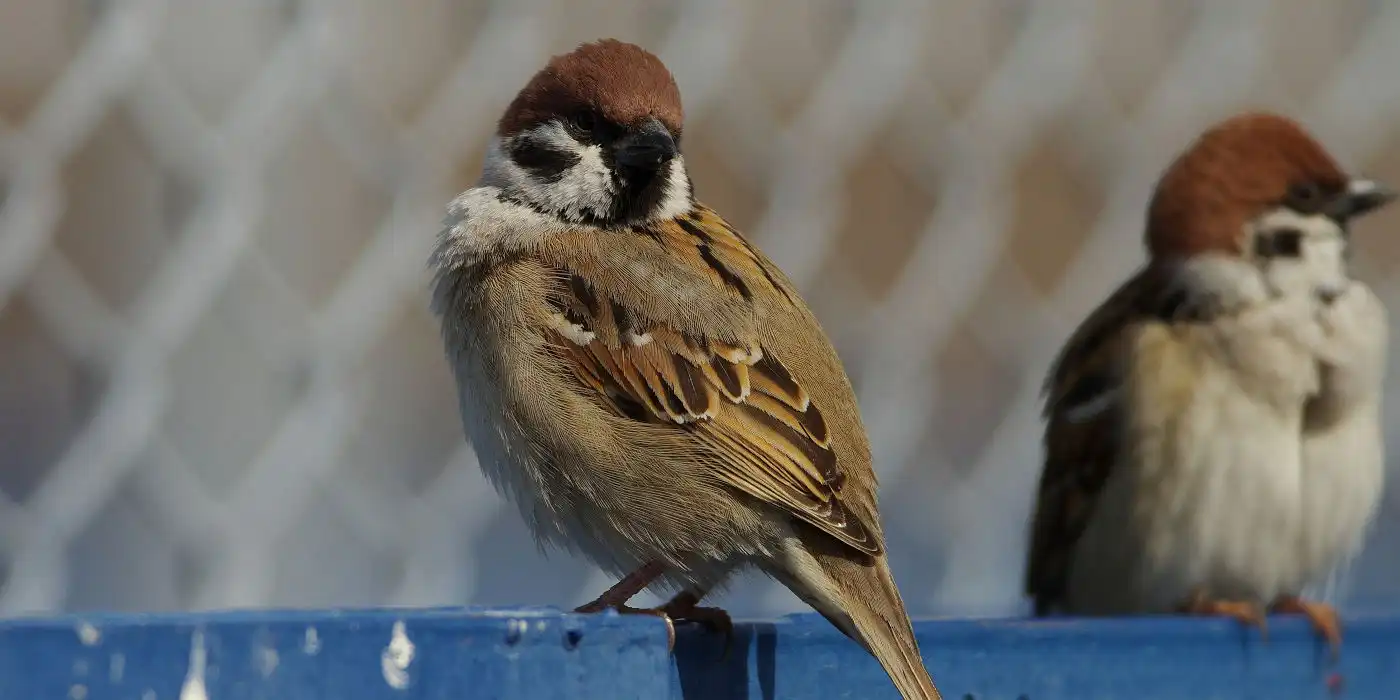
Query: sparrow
x,y
1212,430
640,380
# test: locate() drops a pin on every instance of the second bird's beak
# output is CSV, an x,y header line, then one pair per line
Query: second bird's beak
x,y
1361,197
645,147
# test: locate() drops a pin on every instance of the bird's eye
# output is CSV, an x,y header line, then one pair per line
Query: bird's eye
x,y
1305,198
1283,243
581,122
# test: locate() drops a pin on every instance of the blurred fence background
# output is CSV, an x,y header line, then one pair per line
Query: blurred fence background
x,y
220,386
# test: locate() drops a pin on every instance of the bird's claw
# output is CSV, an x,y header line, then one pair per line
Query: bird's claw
x,y
600,605
1247,613
1322,616
684,608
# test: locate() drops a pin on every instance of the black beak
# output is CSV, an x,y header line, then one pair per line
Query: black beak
x,y
1361,197
645,147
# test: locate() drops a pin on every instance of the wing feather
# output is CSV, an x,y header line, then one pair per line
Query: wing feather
x,y
1083,415
732,395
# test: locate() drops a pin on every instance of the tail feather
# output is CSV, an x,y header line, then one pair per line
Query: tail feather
x,y
863,602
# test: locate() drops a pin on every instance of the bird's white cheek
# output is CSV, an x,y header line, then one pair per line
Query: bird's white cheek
x,y
1328,259
1318,267
586,187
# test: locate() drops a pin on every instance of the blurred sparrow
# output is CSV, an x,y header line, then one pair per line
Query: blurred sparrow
x,y
1213,440
640,380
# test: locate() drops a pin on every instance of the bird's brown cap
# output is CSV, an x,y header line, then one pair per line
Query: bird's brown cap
x,y
618,81
1235,171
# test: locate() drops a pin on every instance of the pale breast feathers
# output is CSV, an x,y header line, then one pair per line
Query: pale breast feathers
x,y
731,394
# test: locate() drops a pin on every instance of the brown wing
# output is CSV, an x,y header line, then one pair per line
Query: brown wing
x,y
1082,414
733,395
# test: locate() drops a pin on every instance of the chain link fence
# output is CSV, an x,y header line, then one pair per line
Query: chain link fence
x,y
220,385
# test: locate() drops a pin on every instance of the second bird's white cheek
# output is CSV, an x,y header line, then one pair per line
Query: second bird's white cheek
x,y
1327,260
1320,270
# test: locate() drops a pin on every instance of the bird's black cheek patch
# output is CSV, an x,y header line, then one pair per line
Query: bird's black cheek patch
x,y
544,163
1284,243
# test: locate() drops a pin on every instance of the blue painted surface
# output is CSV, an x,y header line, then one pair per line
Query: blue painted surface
x,y
540,653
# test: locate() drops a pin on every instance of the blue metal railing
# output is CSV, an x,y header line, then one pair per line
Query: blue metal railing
x,y
542,654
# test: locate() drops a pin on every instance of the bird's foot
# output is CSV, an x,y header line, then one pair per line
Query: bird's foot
x,y
616,598
685,607
600,605
1322,616
1247,613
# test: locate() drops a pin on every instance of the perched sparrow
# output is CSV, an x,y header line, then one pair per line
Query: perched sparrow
x,y
640,380
1213,440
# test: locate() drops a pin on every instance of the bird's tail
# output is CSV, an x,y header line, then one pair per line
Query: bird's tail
x,y
861,599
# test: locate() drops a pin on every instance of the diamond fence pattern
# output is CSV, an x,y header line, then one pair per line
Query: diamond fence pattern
x,y
220,386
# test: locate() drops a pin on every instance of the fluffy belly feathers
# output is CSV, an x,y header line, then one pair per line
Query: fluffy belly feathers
x,y
1218,499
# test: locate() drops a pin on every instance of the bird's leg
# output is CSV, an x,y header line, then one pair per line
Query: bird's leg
x,y
622,591
1246,612
685,607
1322,616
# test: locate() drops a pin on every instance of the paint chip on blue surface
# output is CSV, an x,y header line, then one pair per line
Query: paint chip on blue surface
x,y
116,667
515,631
267,661
397,657
193,689
88,634
311,642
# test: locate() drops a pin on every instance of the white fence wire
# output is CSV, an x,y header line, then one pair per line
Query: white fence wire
x,y
220,386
